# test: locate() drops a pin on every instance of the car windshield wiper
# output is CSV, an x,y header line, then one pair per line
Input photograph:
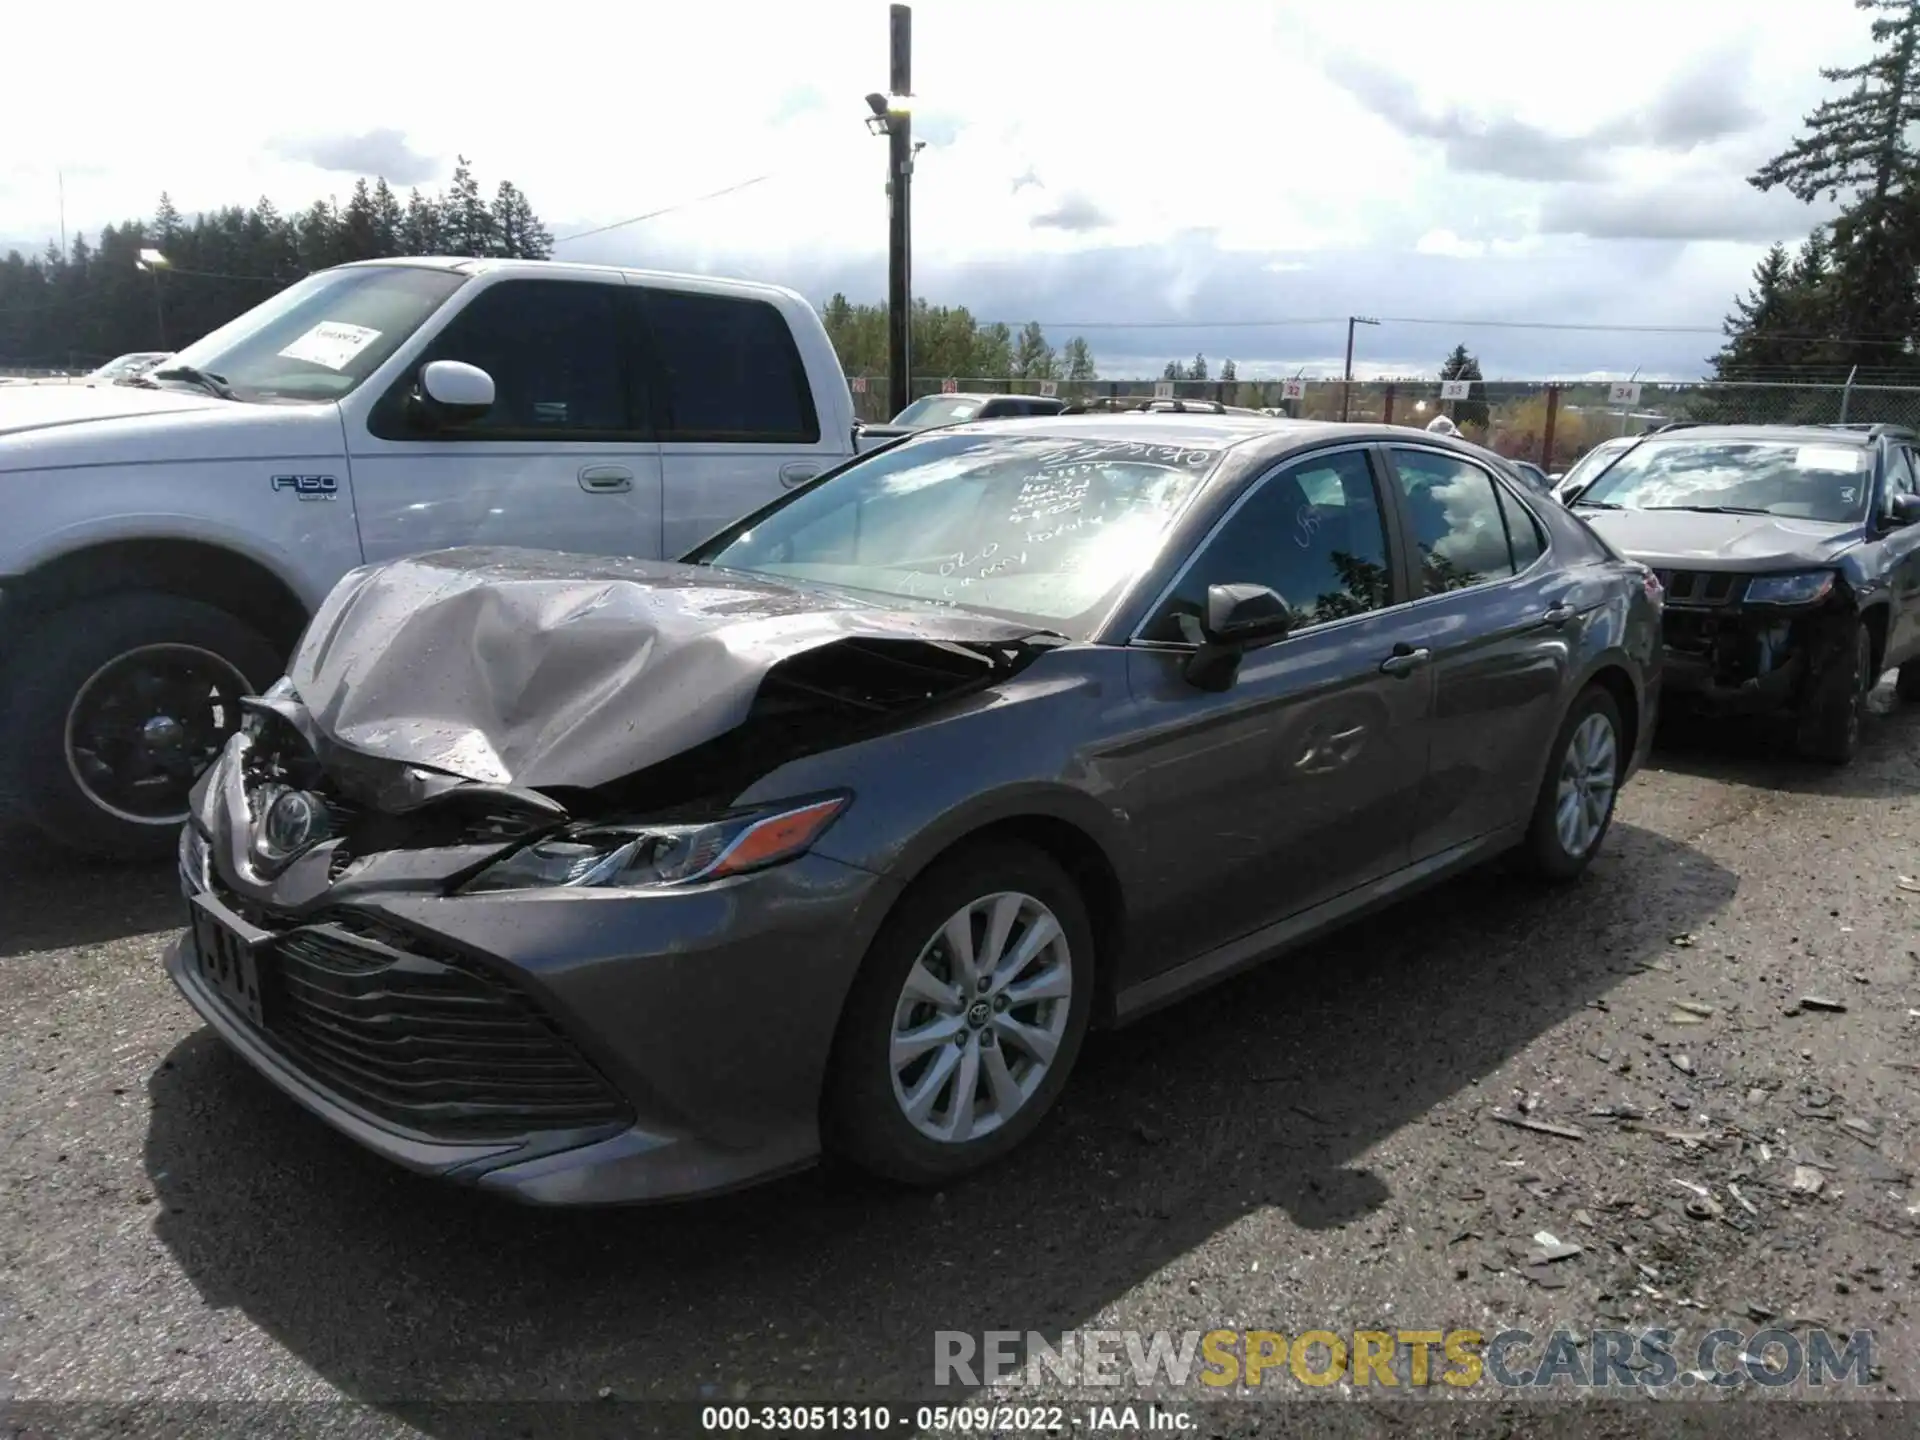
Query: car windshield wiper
x,y
213,384
1712,509
1579,504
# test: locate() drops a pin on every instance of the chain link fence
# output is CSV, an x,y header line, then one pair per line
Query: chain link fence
x,y
1551,422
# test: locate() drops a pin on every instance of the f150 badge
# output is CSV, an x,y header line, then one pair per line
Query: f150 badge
x,y
308,487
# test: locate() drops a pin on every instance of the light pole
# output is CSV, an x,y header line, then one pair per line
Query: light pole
x,y
893,117
153,262
1346,383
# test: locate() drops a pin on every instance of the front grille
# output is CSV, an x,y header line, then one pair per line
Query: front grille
x,y
436,1046
1701,587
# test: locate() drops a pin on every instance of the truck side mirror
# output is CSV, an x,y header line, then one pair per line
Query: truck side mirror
x,y
454,392
1905,510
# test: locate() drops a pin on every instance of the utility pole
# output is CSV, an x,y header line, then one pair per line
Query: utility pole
x,y
900,209
1346,383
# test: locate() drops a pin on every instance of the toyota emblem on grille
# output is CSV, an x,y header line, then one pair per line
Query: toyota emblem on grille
x,y
293,821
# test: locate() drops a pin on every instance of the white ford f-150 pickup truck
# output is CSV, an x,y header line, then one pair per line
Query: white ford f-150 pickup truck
x,y
164,540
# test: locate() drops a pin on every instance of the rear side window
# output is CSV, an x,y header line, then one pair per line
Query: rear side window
x,y
1523,532
728,371
1456,518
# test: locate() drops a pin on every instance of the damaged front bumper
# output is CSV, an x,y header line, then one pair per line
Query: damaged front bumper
x,y
554,1046
1759,660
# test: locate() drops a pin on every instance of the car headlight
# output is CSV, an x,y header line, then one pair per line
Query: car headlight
x,y
624,857
1799,587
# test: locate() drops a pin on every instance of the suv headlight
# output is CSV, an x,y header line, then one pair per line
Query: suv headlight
x,y
1799,587
623,857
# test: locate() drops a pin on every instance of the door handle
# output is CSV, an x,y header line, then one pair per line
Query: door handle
x,y
797,472
1558,615
606,479
1404,660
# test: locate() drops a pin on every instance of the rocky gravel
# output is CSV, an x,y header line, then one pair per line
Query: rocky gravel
x,y
1680,1094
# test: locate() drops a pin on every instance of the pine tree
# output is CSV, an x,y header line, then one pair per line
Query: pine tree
x,y
1033,357
1079,361
1197,370
466,225
356,225
1462,364
517,230
1755,345
166,222
387,220
420,229
1857,145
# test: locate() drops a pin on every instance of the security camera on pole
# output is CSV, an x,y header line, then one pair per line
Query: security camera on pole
x,y
893,117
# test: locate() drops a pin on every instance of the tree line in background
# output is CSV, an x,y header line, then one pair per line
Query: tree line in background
x,y
95,300
1847,301
949,341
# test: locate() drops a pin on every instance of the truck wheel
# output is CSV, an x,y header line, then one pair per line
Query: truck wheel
x,y
1830,723
113,708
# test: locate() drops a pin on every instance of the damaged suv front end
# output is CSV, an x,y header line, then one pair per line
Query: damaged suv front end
x,y
514,927
1778,549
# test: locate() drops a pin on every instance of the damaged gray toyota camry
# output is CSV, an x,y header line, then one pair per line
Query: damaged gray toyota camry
x,y
593,880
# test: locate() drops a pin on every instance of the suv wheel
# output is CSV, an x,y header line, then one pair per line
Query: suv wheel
x,y
965,1019
113,709
1830,723
1907,686
1574,809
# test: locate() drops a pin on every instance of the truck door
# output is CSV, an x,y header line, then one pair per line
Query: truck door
x,y
732,407
563,460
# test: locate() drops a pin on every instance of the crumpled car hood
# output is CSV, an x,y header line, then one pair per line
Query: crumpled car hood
x,y
1678,538
539,669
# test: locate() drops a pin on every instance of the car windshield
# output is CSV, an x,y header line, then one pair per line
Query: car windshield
x,y
1584,467
1044,529
127,365
939,410
1771,477
319,338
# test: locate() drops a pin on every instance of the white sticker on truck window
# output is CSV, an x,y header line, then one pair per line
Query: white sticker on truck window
x,y
331,343
1830,457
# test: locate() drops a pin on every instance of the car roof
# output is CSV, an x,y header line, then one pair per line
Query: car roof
x,y
1270,435
1799,434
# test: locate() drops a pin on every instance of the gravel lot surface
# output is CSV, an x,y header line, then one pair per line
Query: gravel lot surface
x,y
1312,1146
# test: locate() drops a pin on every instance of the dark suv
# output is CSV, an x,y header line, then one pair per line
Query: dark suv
x,y
1791,560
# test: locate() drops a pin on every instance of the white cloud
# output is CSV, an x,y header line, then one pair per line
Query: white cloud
x,y
1316,140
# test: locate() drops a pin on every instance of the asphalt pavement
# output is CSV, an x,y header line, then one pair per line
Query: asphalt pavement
x,y
1311,1146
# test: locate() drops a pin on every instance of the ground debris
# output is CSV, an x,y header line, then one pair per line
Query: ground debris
x,y
1543,1127
1822,1002
1807,1180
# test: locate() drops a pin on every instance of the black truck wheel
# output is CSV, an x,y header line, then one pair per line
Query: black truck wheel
x,y
114,707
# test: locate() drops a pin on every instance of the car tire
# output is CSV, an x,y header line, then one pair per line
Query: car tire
x,y
1580,790
1907,685
1830,720
92,668
865,1113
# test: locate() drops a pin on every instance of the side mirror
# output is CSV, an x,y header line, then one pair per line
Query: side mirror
x,y
1245,614
1905,510
1571,494
1239,617
452,391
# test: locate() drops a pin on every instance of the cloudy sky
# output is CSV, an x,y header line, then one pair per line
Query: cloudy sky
x,y
1109,169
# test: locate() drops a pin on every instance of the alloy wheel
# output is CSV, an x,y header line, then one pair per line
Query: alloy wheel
x,y
981,1017
1589,775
